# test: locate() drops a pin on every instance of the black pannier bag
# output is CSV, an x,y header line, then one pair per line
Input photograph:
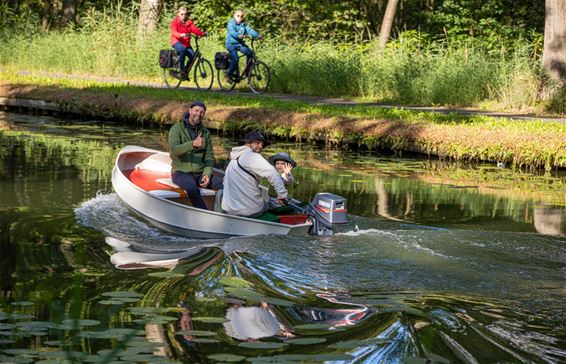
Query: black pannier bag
x,y
166,58
222,60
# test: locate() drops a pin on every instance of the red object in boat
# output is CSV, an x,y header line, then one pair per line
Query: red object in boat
x,y
292,219
147,180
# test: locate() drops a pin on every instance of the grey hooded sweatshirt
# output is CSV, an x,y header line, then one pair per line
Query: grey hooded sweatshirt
x,y
242,195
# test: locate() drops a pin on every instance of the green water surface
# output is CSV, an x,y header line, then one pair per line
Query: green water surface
x,y
441,263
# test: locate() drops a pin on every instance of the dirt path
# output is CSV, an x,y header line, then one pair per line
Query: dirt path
x,y
312,99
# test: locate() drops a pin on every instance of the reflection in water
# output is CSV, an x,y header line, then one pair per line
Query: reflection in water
x,y
550,220
383,200
126,257
250,323
484,290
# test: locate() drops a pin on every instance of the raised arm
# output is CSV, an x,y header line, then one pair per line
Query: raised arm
x,y
176,146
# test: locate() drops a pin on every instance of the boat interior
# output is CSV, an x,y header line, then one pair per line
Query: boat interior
x,y
152,172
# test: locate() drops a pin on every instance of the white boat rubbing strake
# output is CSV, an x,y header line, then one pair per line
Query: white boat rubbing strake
x,y
141,177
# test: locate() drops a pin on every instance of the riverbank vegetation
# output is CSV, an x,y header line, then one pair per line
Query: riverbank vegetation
x,y
525,143
451,53
328,169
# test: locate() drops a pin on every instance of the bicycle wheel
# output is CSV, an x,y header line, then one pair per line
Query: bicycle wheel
x,y
172,76
203,74
258,77
223,82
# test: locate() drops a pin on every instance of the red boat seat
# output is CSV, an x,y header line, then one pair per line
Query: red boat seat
x,y
147,180
159,184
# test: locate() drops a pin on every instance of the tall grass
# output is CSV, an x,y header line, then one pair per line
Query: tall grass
x,y
406,72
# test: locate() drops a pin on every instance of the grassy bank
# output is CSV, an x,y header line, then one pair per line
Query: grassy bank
x,y
525,143
407,72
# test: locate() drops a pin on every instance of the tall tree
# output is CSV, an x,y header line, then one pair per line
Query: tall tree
x,y
149,15
554,52
387,23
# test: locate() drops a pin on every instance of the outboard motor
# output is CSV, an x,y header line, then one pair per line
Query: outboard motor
x,y
325,211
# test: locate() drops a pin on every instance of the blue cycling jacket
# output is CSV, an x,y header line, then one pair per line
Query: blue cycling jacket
x,y
234,29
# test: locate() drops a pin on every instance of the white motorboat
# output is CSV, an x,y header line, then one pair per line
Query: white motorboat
x,y
142,179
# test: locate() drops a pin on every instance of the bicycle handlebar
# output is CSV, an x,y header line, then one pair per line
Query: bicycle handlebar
x,y
190,35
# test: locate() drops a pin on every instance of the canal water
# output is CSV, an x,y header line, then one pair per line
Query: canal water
x,y
441,263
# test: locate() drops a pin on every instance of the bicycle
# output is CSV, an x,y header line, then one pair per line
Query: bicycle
x,y
256,72
203,73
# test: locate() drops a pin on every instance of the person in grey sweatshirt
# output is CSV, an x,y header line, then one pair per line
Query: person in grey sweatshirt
x,y
242,193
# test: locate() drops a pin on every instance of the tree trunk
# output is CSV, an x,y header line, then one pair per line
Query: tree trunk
x,y
149,15
554,52
46,17
372,10
69,13
387,23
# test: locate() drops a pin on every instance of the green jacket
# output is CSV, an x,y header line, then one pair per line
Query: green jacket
x,y
186,159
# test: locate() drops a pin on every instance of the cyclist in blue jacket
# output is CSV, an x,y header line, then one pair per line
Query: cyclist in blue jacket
x,y
237,30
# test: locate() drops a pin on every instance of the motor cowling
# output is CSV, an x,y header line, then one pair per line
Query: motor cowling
x,y
327,210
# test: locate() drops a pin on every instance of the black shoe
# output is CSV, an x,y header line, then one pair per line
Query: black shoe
x,y
185,76
175,74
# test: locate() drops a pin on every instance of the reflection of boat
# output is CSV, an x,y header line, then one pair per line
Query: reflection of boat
x,y
125,257
190,261
333,317
141,177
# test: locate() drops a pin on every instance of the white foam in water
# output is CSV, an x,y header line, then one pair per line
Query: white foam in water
x,y
407,241
364,232
108,214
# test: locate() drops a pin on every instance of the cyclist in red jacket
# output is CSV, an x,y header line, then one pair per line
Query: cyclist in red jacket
x,y
181,29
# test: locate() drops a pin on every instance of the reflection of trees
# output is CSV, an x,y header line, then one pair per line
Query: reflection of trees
x,y
8,252
52,156
409,199
156,334
549,220
382,200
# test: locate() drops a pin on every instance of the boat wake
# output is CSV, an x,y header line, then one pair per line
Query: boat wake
x,y
107,213
124,231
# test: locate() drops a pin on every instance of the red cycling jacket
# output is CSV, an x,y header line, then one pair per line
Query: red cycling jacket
x,y
178,28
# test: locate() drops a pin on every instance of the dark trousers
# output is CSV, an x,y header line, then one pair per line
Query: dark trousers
x,y
190,183
234,58
184,52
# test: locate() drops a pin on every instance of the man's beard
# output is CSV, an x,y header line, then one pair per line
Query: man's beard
x,y
196,120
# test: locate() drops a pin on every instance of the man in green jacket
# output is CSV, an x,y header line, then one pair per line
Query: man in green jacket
x,y
192,157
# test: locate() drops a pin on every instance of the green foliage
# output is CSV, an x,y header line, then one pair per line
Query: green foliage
x,y
449,53
494,22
